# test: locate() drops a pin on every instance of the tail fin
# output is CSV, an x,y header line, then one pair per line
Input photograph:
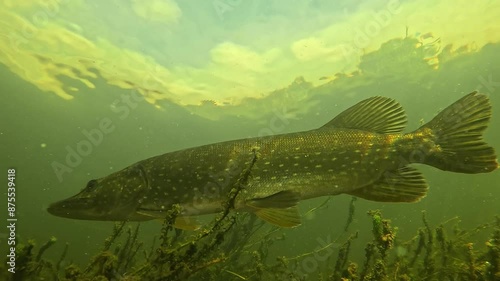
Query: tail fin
x,y
457,132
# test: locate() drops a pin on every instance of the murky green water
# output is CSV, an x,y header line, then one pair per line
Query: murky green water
x,y
169,76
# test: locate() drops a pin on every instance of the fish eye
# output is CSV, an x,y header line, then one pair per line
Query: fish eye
x,y
91,185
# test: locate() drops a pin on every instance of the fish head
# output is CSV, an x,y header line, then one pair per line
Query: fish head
x,y
112,198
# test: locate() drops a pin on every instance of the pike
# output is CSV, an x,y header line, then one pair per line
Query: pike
x,y
361,152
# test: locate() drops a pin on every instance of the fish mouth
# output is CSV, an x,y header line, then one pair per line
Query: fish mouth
x,y
73,208
86,209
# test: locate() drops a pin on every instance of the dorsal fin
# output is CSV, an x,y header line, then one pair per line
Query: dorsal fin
x,y
377,114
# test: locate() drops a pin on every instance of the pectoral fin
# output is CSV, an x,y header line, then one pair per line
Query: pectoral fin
x,y
187,223
287,217
403,185
181,222
278,209
282,199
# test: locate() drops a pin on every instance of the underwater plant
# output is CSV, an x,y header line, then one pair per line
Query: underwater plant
x,y
239,247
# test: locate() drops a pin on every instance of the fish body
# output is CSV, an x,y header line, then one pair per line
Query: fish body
x,y
362,152
300,162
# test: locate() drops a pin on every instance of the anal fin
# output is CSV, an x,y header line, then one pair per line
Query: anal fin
x,y
402,185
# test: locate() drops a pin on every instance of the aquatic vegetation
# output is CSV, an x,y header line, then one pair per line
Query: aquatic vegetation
x,y
239,248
